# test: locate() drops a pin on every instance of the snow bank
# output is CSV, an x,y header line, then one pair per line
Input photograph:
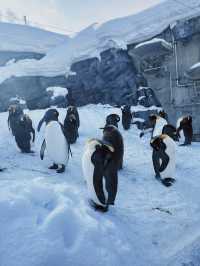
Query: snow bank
x,y
57,91
141,108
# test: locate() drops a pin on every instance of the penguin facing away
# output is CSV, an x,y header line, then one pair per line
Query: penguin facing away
x,y
55,141
163,158
112,135
126,117
100,172
112,119
185,123
22,128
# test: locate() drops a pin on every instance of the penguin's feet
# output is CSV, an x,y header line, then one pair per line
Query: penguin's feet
x,y
53,167
27,151
158,177
168,181
61,170
97,207
185,144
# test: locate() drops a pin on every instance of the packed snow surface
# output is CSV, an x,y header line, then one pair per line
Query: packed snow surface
x,y
45,218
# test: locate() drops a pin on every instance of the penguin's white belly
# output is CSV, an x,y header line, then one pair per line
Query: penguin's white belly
x,y
88,172
160,123
171,167
56,144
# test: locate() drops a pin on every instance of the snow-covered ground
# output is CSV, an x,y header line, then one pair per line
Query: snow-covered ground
x,y
45,219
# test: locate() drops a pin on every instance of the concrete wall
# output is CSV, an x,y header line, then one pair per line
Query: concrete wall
x,y
178,94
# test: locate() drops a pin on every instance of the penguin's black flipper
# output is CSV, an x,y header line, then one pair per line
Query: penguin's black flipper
x,y
43,147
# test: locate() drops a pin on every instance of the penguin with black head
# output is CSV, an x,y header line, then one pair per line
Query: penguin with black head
x,y
112,119
126,117
170,130
72,124
101,173
163,114
55,141
22,128
185,123
163,158
112,135
72,110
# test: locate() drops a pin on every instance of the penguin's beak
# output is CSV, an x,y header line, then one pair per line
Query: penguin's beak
x,y
40,123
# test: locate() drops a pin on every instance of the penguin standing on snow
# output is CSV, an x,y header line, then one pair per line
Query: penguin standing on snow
x,y
185,124
100,172
112,135
22,128
72,124
126,117
55,141
164,159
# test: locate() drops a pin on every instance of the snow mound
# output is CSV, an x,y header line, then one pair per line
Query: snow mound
x,y
57,91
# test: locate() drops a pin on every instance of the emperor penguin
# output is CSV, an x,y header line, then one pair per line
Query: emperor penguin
x,y
101,173
55,141
164,149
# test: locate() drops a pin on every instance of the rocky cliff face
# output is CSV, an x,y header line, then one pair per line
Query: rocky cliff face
x,y
111,80
30,89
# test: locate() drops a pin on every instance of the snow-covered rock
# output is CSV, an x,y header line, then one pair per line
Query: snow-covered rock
x,y
57,91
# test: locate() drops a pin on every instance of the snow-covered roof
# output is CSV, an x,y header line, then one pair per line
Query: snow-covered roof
x,y
194,71
91,41
22,38
166,44
155,46
197,65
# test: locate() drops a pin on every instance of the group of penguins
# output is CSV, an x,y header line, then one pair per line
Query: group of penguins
x,y
102,158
